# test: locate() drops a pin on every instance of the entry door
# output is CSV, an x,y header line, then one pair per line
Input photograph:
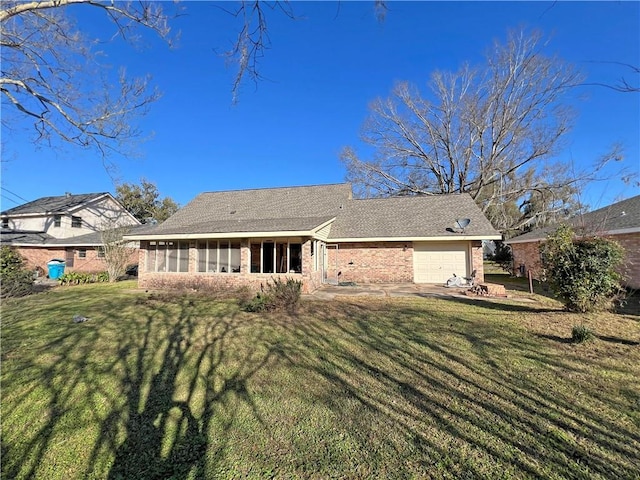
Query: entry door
x,y
437,262
69,255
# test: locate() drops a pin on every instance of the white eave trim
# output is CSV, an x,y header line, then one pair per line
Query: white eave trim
x,y
202,236
416,239
621,231
199,236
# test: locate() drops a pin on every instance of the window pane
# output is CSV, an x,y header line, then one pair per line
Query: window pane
x,y
267,257
281,258
172,253
213,256
235,257
161,258
76,222
295,252
202,256
223,257
184,257
255,258
151,257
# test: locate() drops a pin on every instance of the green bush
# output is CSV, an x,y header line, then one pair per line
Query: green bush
x,y
279,295
582,272
15,279
581,333
77,278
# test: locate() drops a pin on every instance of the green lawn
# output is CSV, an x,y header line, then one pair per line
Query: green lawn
x,y
178,386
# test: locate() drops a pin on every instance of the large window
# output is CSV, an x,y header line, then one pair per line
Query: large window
x,y
276,257
219,256
168,256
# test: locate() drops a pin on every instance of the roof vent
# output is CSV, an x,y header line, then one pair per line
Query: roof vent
x,y
623,213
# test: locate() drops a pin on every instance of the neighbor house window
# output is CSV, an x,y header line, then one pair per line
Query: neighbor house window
x,y
76,222
57,220
5,223
82,253
276,257
219,256
100,252
168,256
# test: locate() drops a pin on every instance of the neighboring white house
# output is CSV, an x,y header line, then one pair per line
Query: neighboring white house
x,y
65,227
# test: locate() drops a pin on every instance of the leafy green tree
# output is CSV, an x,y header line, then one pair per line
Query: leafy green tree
x,y
144,202
582,271
15,279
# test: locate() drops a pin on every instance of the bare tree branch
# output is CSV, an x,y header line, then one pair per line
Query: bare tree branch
x,y
491,131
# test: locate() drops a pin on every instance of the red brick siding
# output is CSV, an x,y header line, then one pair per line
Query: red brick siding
x,y
631,265
477,260
383,262
39,256
528,254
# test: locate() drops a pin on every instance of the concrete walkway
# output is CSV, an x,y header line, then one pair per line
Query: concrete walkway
x,y
328,292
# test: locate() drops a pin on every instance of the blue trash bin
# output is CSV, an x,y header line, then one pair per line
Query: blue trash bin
x,y
56,268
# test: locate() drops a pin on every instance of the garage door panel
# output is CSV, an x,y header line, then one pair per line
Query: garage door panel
x,y
436,262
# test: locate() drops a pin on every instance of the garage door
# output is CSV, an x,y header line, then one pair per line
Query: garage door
x,y
436,262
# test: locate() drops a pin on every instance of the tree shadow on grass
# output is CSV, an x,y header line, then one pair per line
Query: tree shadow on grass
x,y
152,386
467,394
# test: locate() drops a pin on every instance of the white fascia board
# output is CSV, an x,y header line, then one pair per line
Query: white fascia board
x,y
414,239
530,240
322,225
203,236
621,231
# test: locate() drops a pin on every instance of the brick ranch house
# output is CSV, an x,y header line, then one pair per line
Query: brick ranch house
x,y
65,227
619,221
316,234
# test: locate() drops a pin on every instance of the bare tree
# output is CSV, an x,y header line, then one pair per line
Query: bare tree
x,y
490,131
51,73
117,252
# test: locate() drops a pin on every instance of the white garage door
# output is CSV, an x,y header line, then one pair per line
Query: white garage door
x,y
437,262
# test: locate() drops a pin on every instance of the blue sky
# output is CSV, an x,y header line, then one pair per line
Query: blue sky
x,y
321,72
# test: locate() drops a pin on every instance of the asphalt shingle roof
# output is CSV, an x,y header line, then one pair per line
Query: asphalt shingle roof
x,y
617,216
61,203
269,209
24,237
305,208
412,216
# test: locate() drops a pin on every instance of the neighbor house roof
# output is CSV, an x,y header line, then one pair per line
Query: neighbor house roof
x,y
59,204
300,211
295,210
412,218
23,237
618,218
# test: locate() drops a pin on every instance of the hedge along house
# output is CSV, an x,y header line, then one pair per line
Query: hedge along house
x,y
316,234
619,221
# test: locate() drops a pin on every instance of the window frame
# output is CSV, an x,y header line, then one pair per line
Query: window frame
x,y
220,246
274,256
82,253
5,222
57,220
76,222
163,253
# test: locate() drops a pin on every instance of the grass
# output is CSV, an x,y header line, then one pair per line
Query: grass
x,y
186,387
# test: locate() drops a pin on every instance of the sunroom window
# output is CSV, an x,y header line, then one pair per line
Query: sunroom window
x,y
276,257
168,256
219,256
